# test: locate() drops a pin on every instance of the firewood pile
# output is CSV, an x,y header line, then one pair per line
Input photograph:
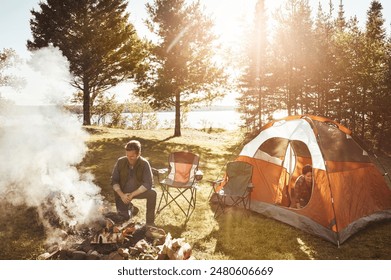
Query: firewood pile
x,y
113,241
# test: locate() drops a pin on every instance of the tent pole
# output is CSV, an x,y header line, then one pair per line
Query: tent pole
x,y
318,139
366,148
385,174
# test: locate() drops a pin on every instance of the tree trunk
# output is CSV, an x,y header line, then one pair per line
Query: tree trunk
x,y
177,132
363,112
86,105
259,107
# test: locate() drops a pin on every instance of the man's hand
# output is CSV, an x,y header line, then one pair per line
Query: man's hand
x,y
126,198
130,196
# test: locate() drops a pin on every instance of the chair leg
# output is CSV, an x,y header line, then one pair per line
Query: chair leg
x,y
191,202
236,201
168,198
164,197
220,206
247,203
212,190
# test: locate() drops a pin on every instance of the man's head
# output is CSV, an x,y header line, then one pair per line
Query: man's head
x,y
133,151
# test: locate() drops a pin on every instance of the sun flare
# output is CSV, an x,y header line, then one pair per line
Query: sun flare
x,y
231,16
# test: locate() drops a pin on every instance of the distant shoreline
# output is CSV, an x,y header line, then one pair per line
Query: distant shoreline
x,y
79,108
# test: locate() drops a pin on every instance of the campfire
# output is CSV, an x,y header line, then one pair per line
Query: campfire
x,y
118,241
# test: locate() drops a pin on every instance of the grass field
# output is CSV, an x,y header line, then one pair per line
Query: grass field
x,y
235,235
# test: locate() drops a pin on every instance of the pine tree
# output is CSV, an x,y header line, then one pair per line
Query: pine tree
x,y
341,21
323,98
8,59
181,71
95,36
349,47
253,99
341,71
293,48
383,105
373,115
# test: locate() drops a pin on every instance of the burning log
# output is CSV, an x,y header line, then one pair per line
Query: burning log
x,y
175,249
158,235
114,234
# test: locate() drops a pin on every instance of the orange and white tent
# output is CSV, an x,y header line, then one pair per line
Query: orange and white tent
x,y
348,190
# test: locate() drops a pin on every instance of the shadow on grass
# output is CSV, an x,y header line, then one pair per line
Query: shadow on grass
x,y
247,235
104,153
167,139
22,236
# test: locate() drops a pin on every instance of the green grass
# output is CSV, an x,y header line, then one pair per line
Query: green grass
x,y
235,235
21,236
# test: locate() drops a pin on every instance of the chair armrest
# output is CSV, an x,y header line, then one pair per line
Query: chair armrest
x,y
215,182
250,187
158,171
198,175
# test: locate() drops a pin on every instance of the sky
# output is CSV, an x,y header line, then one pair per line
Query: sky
x,y
230,17
15,16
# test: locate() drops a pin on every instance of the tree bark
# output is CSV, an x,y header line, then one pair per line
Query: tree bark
x,y
259,107
177,131
86,105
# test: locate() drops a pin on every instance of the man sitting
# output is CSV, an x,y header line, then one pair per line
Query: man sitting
x,y
132,179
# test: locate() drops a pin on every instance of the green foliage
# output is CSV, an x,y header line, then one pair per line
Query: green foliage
x,y
180,68
108,107
4,64
294,53
95,36
142,116
327,67
106,110
254,101
8,59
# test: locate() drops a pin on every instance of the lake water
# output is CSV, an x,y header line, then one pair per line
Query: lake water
x,y
226,119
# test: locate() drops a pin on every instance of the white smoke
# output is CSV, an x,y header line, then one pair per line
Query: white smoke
x,y
40,145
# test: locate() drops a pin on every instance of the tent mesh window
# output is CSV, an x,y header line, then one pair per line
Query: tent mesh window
x,y
339,146
281,149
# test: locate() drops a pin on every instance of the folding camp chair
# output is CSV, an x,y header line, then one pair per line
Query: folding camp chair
x,y
180,182
236,185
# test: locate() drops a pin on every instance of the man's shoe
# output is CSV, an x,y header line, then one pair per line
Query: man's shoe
x,y
134,210
150,225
